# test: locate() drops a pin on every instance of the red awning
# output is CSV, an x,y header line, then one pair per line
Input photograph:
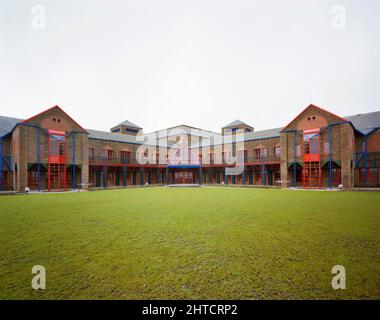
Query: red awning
x,y
57,133
316,130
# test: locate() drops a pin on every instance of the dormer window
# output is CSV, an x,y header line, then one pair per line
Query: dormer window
x,y
126,127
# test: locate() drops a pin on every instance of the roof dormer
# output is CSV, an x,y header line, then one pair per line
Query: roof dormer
x,y
236,125
126,127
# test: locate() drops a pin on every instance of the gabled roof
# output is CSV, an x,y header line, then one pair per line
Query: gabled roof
x,y
365,122
248,136
316,107
58,108
127,123
185,129
188,157
7,124
237,122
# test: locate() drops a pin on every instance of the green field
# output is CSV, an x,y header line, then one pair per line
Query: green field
x,y
190,243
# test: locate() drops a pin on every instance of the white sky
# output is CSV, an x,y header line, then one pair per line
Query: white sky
x,y
202,63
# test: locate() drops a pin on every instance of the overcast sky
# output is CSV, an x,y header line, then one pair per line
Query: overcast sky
x,y
202,63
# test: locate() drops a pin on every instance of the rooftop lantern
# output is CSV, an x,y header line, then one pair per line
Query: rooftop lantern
x,y
126,127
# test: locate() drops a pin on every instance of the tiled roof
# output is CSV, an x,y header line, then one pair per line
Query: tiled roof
x,y
365,122
119,137
128,124
237,122
111,136
362,122
263,134
183,129
7,124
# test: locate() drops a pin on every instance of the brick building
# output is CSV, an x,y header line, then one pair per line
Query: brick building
x,y
317,149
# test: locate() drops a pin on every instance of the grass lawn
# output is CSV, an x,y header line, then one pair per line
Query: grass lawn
x,y
190,243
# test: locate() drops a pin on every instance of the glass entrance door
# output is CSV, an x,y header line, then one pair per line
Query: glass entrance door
x,y
183,177
312,171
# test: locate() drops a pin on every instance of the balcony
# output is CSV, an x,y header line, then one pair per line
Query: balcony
x,y
116,160
260,158
373,159
215,160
